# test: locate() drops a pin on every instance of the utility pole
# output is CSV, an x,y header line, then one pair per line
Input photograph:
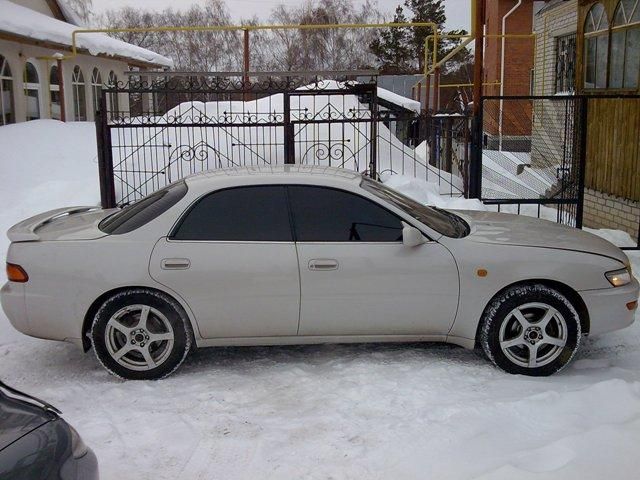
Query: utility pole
x,y
245,70
475,167
478,55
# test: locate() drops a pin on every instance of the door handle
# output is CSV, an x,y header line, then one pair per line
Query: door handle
x,y
323,264
175,263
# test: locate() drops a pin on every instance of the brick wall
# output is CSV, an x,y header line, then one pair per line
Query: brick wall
x,y
606,211
518,61
548,137
557,18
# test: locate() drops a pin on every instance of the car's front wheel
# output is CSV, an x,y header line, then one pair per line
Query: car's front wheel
x,y
141,334
531,330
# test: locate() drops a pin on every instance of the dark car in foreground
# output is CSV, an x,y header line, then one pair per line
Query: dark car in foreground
x,y
37,444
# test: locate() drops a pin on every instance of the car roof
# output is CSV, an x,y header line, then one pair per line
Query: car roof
x,y
275,173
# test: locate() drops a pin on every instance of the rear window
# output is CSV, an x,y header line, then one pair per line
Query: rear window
x,y
143,211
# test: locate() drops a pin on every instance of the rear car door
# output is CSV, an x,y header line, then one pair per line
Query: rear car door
x,y
357,277
233,259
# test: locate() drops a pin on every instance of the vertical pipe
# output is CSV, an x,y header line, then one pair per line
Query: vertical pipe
x,y
63,115
502,69
436,89
427,94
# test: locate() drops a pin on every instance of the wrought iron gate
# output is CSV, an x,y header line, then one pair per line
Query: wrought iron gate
x,y
530,156
153,133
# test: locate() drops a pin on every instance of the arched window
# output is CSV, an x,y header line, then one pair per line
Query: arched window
x,y
596,46
7,115
79,95
114,105
96,88
54,93
625,45
32,91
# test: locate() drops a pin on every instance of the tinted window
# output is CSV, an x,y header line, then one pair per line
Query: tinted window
x,y
327,215
143,211
442,221
239,214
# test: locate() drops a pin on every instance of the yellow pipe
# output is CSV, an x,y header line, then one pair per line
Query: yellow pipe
x,y
452,85
227,28
469,38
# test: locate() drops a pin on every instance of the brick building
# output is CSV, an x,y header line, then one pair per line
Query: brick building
x,y
508,73
593,47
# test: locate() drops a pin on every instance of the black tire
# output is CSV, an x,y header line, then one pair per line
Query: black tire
x,y
117,327
511,346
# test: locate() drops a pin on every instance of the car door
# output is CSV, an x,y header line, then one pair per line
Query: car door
x,y
233,259
357,277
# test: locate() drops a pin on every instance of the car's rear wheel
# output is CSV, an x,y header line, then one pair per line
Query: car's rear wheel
x,y
530,330
141,334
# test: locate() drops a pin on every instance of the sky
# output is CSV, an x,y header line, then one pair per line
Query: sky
x,y
457,11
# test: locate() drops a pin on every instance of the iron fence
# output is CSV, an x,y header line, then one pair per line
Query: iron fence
x,y
532,155
170,127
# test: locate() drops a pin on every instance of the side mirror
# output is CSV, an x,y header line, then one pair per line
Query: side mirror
x,y
411,236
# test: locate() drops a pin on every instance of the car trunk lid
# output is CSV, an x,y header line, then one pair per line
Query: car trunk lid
x,y
71,223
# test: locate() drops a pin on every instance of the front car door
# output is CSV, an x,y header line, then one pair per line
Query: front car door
x,y
357,277
233,259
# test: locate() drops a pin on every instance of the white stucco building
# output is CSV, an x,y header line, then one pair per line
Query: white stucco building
x,y
39,75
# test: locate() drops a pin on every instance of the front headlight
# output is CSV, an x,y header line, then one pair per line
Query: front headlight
x,y
619,278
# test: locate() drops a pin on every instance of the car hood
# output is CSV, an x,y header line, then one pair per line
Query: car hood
x,y
508,229
18,418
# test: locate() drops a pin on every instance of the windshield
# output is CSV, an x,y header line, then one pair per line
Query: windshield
x,y
143,211
442,221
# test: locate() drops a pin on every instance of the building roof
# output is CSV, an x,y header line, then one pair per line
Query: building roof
x,y
399,100
26,24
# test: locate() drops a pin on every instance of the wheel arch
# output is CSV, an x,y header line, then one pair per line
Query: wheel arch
x,y
97,303
572,295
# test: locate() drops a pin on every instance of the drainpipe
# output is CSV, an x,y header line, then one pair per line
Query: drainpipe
x,y
504,26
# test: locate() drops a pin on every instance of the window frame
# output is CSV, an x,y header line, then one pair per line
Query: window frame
x,y
600,32
54,91
6,75
171,234
96,88
344,242
189,208
113,102
623,28
565,41
78,85
32,87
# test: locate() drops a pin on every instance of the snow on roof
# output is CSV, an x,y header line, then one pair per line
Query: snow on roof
x,y
399,100
70,14
25,22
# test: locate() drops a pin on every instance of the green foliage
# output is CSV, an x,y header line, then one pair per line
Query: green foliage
x,y
393,48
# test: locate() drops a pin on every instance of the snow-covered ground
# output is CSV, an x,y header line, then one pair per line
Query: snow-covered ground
x,y
367,411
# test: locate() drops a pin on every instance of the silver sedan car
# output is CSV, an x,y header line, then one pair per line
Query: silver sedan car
x,y
294,255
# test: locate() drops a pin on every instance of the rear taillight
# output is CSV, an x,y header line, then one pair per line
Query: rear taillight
x,y
15,273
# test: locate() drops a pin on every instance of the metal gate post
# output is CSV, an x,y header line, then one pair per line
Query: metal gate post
x,y
289,147
582,152
373,163
475,169
105,155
